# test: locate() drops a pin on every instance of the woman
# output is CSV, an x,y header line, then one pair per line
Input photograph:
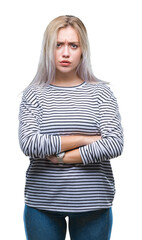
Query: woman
x,y
70,128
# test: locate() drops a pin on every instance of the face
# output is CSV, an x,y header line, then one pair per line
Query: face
x,y
68,50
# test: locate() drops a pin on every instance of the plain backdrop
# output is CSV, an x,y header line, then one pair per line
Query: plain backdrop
x,y
115,34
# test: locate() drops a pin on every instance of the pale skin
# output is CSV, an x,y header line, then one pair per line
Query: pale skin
x,y
67,57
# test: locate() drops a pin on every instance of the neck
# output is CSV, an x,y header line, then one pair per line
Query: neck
x,y
66,79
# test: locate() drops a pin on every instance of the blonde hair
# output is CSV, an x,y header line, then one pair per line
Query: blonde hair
x,y
46,68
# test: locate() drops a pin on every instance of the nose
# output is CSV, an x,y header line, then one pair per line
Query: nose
x,y
65,52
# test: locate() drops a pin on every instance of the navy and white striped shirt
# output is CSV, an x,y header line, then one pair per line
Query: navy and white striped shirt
x,y
47,113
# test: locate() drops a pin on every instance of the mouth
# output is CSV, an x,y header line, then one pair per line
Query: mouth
x,y
65,63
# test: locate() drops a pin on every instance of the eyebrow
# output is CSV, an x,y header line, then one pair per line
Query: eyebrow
x,y
68,42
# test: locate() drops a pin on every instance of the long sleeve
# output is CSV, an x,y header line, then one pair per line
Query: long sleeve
x,y
111,144
52,111
32,142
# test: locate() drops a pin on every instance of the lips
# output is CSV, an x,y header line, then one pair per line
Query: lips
x,y
65,63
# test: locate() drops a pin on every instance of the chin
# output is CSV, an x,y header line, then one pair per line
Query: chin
x,y
65,70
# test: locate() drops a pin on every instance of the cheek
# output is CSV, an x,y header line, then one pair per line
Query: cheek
x,y
55,54
78,57
56,57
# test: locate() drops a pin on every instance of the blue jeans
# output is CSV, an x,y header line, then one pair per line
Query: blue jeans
x,y
47,225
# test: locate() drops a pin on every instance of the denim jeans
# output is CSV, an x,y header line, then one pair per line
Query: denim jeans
x,y
48,225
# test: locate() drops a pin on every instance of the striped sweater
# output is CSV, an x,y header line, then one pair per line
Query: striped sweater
x,y
48,112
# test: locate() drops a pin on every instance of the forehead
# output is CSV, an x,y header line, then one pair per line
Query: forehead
x,y
67,34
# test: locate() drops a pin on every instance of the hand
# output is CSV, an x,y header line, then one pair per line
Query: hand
x,y
52,158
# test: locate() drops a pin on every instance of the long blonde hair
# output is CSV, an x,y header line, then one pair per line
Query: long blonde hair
x,y
46,68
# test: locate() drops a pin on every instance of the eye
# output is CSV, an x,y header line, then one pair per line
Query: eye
x,y
74,46
58,45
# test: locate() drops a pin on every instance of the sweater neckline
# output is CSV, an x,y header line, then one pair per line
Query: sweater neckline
x,y
70,87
